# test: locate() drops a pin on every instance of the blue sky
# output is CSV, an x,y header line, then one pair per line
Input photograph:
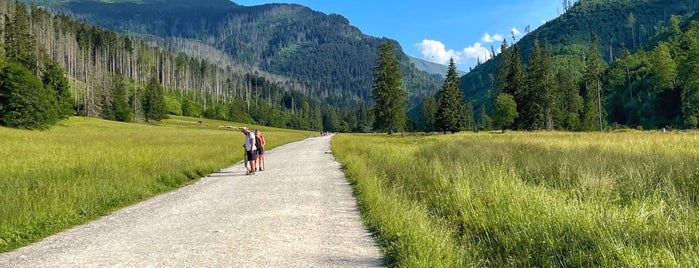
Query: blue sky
x,y
439,30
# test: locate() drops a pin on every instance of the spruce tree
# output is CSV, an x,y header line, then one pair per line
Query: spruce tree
x,y
593,116
451,114
24,103
55,80
514,81
119,101
501,73
390,104
537,101
571,101
154,101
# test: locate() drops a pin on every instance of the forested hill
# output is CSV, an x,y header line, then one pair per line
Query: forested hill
x,y
324,52
637,68
619,24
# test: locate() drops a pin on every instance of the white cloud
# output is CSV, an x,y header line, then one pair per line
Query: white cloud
x,y
435,51
475,52
487,38
516,32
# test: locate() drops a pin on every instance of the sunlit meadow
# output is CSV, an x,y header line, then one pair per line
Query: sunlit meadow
x,y
84,168
529,199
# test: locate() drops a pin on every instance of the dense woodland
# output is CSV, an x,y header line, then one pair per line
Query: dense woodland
x,y
110,77
622,27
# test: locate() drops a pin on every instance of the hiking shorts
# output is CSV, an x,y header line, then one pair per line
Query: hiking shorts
x,y
252,155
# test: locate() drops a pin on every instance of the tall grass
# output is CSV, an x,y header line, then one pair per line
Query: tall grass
x,y
529,199
85,168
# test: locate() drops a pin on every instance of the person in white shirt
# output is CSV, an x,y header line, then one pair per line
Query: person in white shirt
x,y
250,150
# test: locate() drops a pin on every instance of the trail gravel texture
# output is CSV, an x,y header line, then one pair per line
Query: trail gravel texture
x,y
299,212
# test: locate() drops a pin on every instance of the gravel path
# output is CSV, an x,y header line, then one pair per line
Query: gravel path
x,y
300,212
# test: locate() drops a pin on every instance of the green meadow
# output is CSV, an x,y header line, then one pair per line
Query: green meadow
x,y
84,168
537,199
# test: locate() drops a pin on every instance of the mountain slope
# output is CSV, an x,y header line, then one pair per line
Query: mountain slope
x,y
322,51
431,67
569,35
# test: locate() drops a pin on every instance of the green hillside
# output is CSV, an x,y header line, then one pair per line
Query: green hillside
x,y
569,36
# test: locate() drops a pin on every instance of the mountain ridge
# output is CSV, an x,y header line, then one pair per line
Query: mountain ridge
x,y
432,67
322,51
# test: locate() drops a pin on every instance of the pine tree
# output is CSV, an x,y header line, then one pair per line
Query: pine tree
x,y
154,101
571,101
514,81
55,79
501,73
593,116
119,101
451,114
533,101
388,94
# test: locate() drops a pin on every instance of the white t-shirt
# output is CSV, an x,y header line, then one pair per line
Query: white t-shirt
x,y
249,136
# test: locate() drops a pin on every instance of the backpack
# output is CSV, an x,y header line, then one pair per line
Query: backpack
x,y
257,142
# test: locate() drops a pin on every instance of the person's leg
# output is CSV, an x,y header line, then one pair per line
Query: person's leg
x,y
262,161
248,158
253,161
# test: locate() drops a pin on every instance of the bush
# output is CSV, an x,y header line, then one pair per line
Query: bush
x,y
24,102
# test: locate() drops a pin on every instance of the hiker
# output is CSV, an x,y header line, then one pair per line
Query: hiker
x,y
260,142
250,150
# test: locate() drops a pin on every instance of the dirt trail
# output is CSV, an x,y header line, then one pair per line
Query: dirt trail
x,y
300,212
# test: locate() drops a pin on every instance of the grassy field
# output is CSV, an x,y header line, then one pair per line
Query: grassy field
x,y
529,199
84,168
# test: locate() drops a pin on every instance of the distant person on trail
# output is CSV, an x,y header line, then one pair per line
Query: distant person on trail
x,y
260,142
250,150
